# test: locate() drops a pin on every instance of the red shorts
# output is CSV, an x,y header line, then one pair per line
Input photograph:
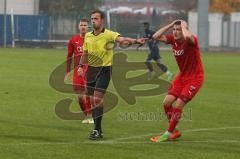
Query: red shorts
x,y
186,88
79,82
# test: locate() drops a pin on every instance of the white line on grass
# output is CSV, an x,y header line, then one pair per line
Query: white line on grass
x,y
185,131
115,142
121,140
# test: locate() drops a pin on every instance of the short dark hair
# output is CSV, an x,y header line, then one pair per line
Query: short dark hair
x,y
102,15
178,22
146,23
84,20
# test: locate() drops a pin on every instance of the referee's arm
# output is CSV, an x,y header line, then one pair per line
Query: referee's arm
x,y
120,40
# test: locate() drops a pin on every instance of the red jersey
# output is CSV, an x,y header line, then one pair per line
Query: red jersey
x,y
75,48
187,56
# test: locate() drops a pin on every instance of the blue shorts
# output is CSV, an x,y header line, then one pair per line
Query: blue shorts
x,y
154,55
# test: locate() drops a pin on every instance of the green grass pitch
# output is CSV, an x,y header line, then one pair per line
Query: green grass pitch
x,y
29,127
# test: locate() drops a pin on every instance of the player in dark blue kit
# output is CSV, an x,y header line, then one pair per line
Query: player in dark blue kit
x,y
154,54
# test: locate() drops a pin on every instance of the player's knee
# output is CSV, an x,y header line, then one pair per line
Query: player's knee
x,y
180,103
98,101
167,103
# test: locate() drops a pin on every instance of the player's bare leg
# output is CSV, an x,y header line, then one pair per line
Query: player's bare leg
x,y
179,105
88,111
80,95
167,105
175,118
85,106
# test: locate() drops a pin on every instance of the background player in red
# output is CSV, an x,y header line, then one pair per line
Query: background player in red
x,y
190,78
75,49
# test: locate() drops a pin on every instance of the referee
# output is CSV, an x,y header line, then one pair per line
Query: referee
x,y
99,60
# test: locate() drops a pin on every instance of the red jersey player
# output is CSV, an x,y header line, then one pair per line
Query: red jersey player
x,y
75,49
190,78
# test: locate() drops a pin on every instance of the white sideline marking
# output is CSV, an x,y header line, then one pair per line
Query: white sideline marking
x,y
190,130
116,142
119,140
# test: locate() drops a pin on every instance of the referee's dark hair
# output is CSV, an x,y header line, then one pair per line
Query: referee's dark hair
x,y
102,15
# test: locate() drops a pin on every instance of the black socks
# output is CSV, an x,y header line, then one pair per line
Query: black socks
x,y
97,113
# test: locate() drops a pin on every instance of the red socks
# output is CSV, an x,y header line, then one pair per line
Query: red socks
x,y
168,112
176,116
85,105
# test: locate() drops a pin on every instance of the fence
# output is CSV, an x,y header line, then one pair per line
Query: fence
x,y
26,28
231,34
224,31
31,28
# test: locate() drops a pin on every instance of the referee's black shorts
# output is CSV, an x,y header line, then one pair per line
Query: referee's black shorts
x,y
98,79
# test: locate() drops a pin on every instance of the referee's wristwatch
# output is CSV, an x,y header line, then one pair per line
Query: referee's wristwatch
x,y
135,41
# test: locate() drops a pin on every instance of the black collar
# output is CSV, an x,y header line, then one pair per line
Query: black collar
x,y
103,30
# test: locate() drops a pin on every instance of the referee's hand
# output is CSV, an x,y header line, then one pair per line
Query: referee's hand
x,y
80,71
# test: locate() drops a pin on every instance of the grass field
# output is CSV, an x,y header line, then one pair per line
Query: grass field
x,y
29,128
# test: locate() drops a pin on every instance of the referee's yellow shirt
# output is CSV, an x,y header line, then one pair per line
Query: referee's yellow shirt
x,y
100,47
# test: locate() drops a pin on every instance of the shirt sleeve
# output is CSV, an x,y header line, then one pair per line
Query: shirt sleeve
x,y
69,55
170,39
114,35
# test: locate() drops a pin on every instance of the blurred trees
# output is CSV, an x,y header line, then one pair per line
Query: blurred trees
x,y
69,7
184,5
226,6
